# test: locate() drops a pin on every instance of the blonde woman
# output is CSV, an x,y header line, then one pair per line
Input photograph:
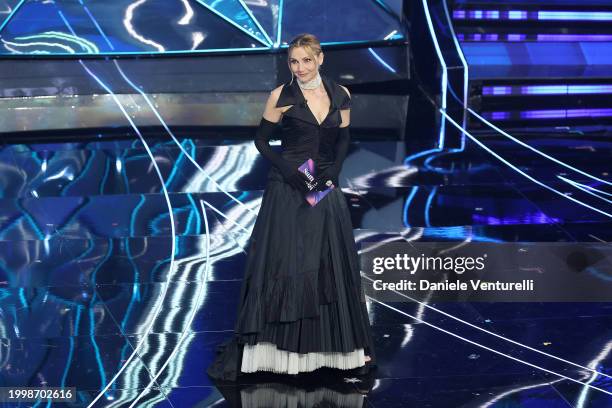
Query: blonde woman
x,y
301,305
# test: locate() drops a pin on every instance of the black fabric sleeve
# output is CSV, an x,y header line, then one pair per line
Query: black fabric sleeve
x,y
262,143
332,172
290,173
342,146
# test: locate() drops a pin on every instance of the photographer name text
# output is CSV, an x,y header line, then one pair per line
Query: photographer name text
x,y
473,284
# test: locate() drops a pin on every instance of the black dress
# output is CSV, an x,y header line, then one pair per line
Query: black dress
x,y
301,291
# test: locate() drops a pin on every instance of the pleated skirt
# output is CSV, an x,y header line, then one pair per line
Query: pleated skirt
x,y
301,304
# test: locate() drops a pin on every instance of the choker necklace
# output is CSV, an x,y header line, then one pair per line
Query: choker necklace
x,y
312,84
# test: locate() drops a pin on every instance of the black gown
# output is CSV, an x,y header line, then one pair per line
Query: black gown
x,y
302,285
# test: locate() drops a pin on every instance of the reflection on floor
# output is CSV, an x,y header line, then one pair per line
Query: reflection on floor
x,y
91,296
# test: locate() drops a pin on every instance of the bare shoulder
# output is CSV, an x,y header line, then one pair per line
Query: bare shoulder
x,y
345,89
275,93
274,96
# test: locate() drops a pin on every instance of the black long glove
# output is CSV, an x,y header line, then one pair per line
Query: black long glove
x,y
290,173
331,173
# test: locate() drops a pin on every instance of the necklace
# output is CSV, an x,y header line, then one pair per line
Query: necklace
x,y
312,84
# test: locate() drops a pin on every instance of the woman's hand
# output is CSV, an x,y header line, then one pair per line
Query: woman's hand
x,y
326,177
294,177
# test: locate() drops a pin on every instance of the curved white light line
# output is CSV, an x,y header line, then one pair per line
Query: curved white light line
x,y
29,44
491,349
493,333
171,134
127,22
181,147
186,19
514,139
191,317
466,74
522,172
504,394
465,94
89,46
586,188
444,69
173,248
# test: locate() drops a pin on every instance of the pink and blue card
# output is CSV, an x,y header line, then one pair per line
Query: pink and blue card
x,y
313,197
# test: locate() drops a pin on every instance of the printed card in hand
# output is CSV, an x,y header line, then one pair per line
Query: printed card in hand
x,y
313,196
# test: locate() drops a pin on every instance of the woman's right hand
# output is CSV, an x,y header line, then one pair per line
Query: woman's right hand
x,y
294,178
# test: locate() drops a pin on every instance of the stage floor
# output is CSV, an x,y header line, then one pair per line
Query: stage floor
x,y
91,296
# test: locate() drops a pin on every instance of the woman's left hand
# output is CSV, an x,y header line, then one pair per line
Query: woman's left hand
x,y
327,177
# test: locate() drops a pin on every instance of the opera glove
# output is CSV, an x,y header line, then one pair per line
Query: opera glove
x,y
294,177
327,177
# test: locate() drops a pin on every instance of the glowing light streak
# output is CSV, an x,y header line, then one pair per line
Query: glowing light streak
x,y
444,69
390,35
488,348
197,39
601,356
224,216
37,43
504,394
93,20
533,149
466,73
159,302
11,14
522,172
382,62
127,23
190,319
186,19
587,189
171,134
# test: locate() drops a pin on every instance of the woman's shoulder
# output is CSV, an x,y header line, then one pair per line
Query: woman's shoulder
x,y
282,95
276,92
341,95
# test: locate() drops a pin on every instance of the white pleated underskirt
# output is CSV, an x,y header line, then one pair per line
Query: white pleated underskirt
x,y
285,396
266,357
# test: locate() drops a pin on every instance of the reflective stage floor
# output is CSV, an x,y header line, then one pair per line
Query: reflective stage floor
x,y
91,295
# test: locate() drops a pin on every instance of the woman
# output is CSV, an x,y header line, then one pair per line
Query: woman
x,y
301,304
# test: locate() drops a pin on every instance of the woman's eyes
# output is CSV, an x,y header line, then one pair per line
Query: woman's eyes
x,y
306,60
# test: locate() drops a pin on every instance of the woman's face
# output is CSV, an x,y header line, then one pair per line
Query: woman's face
x,y
304,66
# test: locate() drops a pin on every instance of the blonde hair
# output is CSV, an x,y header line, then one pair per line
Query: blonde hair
x,y
311,44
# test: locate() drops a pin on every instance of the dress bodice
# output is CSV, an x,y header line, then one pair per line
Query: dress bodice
x,y
301,134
